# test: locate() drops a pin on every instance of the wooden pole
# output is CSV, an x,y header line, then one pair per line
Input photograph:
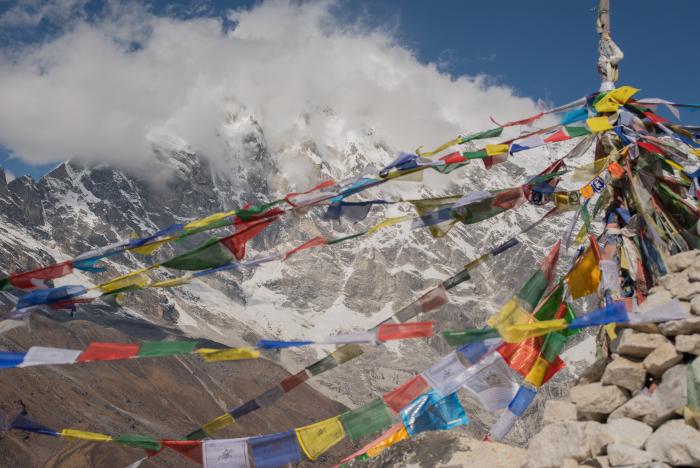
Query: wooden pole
x,y
609,54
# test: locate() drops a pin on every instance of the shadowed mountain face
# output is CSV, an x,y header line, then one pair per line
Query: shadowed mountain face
x,y
340,288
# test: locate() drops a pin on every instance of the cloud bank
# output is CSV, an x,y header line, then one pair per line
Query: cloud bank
x,y
104,90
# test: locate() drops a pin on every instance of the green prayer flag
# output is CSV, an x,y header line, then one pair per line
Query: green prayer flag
x,y
210,254
447,168
199,434
577,131
138,441
553,344
531,292
4,284
481,154
366,420
166,348
323,365
570,316
456,338
491,133
246,214
453,281
547,310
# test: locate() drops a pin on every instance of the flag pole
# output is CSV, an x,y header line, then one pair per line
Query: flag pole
x,y
609,54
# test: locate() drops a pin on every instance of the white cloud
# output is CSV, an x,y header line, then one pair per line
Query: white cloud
x,y
31,12
88,94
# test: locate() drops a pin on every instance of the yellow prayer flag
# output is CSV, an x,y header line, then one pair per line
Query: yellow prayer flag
x,y
512,313
209,219
521,332
493,150
151,247
83,435
388,222
172,282
586,172
696,152
442,147
598,124
394,438
581,236
610,330
137,278
584,278
230,354
315,439
612,101
215,425
537,372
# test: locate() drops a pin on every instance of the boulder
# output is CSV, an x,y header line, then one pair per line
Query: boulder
x,y
675,443
695,305
656,299
628,432
681,327
576,439
558,411
641,408
624,455
683,260
667,280
662,358
594,372
597,398
694,272
639,345
684,290
625,373
688,343
671,394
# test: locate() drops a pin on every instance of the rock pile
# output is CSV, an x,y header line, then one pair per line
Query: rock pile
x,y
633,408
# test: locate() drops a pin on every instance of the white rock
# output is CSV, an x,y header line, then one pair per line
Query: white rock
x,y
694,272
695,305
576,439
597,398
684,290
675,443
688,343
659,298
637,344
662,358
641,407
623,455
558,411
671,394
625,373
682,260
681,327
668,280
628,432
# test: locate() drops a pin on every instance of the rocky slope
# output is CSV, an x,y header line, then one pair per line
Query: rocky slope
x,y
347,287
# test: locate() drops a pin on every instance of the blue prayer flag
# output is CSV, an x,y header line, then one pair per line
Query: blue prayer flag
x,y
273,450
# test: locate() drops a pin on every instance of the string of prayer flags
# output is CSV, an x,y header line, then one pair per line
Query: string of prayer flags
x,y
37,279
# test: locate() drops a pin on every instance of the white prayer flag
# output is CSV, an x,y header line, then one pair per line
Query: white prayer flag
x,y
225,453
491,380
40,355
447,375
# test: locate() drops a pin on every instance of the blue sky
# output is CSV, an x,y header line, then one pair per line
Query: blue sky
x,y
543,49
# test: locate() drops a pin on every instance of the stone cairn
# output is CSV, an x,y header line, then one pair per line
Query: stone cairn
x,y
633,408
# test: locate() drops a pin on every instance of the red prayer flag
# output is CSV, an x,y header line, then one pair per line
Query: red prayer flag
x,y
397,331
294,381
553,368
493,160
244,232
108,351
315,242
400,397
559,135
549,264
327,183
655,118
453,158
652,148
526,121
510,198
191,449
522,356
35,278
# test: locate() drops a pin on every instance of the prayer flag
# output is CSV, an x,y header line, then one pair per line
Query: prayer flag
x,y
300,202
9,360
400,331
23,423
316,439
432,206
522,400
294,381
613,313
612,101
210,254
431,412
394,435
202,222
274,450
37,278
457,338
492,382
83,435
520,332
97,351
599,124
447,375
368,419
40,355
315,242
139,441
230,354
493,150
584,277
339,356
536,375
191,449
244,232
401,396
213,426
225,453
432,300
171,283
166,348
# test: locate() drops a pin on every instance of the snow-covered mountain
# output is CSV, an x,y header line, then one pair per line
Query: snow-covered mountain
x,y
339,288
